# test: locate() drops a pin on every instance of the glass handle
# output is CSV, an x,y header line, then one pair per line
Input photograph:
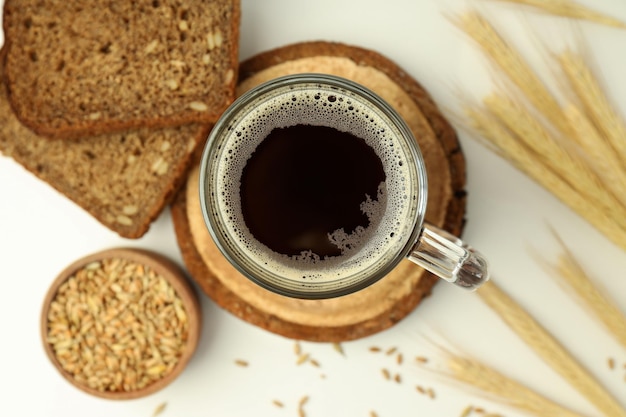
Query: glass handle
x,y
448,257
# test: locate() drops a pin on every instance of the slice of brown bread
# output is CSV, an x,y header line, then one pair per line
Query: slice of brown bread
x,y
78,67
388,301
124,180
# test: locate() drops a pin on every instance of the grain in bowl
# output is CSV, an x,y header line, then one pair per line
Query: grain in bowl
x,y
120,324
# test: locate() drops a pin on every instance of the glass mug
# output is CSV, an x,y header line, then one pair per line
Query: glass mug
x,y
313,187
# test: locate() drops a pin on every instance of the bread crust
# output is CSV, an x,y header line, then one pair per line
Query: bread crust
x,y
75,70
451,219
94,172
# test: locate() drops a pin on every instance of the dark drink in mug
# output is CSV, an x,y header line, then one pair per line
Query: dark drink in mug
x,y
313,187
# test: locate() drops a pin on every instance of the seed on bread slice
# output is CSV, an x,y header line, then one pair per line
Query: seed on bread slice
x,y
77,67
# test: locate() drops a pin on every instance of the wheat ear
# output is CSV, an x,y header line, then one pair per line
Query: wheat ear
x,y
486,128
504,389
569,272
567,8
513,65
596,104
549,349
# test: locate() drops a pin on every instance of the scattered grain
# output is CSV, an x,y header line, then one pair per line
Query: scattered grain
x,y
375,349
467,411
399,359
391,351
241,362
611,363
386,373
297,348
302,358
338,348
431,393
426,391
278,403
301,404
398,378
421,359
314,363
159,409
373,413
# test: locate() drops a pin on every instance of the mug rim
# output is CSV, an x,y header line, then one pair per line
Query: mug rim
x,y
332,81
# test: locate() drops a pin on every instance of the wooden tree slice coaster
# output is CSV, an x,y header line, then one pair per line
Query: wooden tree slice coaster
x,y
386,302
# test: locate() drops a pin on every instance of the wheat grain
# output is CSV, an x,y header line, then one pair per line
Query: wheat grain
x,y
467,411
301,404
567,8
132,322
549,349
391,351
302,358
339,348
159,409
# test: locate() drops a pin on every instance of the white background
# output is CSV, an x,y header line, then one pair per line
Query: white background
x,y
508,217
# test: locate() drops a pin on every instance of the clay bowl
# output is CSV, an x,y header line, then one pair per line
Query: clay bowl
x,y
116,330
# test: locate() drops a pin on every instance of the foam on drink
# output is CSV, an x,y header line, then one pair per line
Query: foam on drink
x,y
390,212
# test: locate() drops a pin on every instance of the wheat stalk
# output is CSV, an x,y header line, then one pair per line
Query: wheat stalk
x,y
508,146
573,170
598,152
571,273
551,162
513,65
567,8
549,349
504,389
596,104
